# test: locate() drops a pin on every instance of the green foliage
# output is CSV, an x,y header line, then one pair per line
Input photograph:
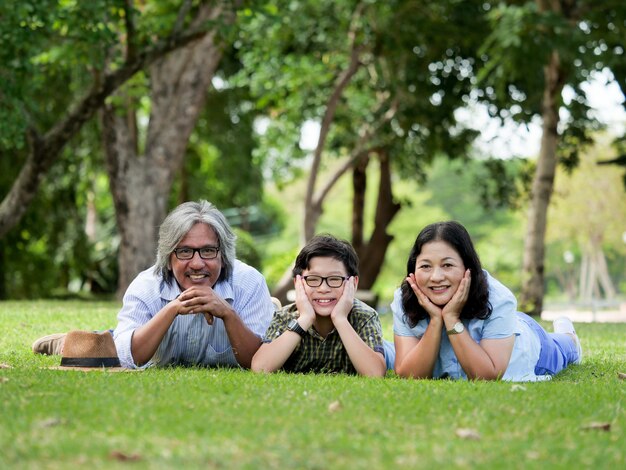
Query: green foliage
x,y
414,57
50,252
452,190
593,193
49,45
587,37
220,165
247,250
57,416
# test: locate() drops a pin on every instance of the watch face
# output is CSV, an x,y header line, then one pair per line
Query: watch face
x,y
459,327
294,326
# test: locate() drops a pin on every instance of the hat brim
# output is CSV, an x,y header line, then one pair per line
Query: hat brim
x,y
93,369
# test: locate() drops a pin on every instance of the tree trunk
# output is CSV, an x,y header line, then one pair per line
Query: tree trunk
x,y
44,149
359,187
595,280
604,279
313,208
584,275
141,183
531,300
372,254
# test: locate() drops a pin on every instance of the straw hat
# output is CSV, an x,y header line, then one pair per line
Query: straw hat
x,y
87,351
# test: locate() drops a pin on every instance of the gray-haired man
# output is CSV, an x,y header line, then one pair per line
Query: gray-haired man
x,y
197,305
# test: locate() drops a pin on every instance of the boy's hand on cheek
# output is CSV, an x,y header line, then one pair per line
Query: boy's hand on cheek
x,y
346,301
303,304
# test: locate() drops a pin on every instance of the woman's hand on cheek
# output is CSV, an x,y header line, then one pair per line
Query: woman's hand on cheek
x,y
452,310
433,310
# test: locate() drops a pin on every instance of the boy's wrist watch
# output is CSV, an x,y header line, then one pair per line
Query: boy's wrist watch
x,y
457,329
294,326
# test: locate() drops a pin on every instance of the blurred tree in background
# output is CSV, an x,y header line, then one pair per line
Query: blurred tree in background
x,y
536,51
211,100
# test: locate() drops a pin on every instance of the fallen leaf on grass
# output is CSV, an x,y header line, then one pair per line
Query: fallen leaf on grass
x,y
124,457
621,376
518,388
334,406
4,380
50,423
4,365
597,427
466,433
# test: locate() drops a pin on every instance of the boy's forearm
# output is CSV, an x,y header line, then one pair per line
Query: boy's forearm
x,y
365,360
272,356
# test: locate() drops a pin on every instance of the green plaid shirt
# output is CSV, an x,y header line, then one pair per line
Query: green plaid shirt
x,y
317,354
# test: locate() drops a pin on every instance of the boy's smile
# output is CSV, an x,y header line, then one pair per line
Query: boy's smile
x,y
324,298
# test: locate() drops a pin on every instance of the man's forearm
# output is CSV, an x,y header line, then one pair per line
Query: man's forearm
x,y
243,341
147,338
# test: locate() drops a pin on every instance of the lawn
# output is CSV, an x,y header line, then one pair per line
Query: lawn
x,y
225,418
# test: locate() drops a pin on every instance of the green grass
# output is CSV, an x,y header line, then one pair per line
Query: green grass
x,y
221,418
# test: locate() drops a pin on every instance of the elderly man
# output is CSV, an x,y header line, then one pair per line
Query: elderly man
x,y
197,305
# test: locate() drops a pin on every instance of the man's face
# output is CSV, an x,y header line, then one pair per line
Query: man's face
x,y
197,271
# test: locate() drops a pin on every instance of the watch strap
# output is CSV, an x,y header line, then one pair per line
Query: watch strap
x,y
458,328
296,328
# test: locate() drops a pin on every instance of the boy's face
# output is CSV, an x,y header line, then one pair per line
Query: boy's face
x,y
323,297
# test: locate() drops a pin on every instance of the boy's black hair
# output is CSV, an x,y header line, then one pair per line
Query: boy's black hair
x,y
326,245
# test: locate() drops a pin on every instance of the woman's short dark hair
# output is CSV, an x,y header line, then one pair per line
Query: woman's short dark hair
x,y
326,245
455,235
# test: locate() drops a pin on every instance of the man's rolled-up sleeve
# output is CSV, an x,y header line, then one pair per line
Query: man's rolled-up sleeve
x,y
134,313
253,302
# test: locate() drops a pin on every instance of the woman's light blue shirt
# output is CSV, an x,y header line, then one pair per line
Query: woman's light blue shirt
x,y
502,323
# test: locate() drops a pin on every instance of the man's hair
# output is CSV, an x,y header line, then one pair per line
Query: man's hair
x,y
325,245
455,235
178,223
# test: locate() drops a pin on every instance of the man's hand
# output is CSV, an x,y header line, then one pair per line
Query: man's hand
x,y
203,300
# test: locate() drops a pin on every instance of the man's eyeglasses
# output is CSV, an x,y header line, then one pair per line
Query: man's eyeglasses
x,y
206,252
331,281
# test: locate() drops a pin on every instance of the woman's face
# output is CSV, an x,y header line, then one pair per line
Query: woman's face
x,y
438,271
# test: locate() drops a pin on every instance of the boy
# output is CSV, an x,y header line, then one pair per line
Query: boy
x,y
327,329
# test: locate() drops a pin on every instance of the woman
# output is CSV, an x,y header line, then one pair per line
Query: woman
x,y
452,319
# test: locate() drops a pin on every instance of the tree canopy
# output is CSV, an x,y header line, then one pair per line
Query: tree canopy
x,y
113,111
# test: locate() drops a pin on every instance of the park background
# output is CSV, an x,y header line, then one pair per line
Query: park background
x,y
361,119
365,119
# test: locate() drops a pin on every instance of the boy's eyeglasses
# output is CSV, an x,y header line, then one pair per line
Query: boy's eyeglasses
x,y
331,281
186,253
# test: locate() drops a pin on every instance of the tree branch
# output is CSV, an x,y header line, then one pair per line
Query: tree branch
x,y
129,23
180,18
357,153
46,149
341,83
